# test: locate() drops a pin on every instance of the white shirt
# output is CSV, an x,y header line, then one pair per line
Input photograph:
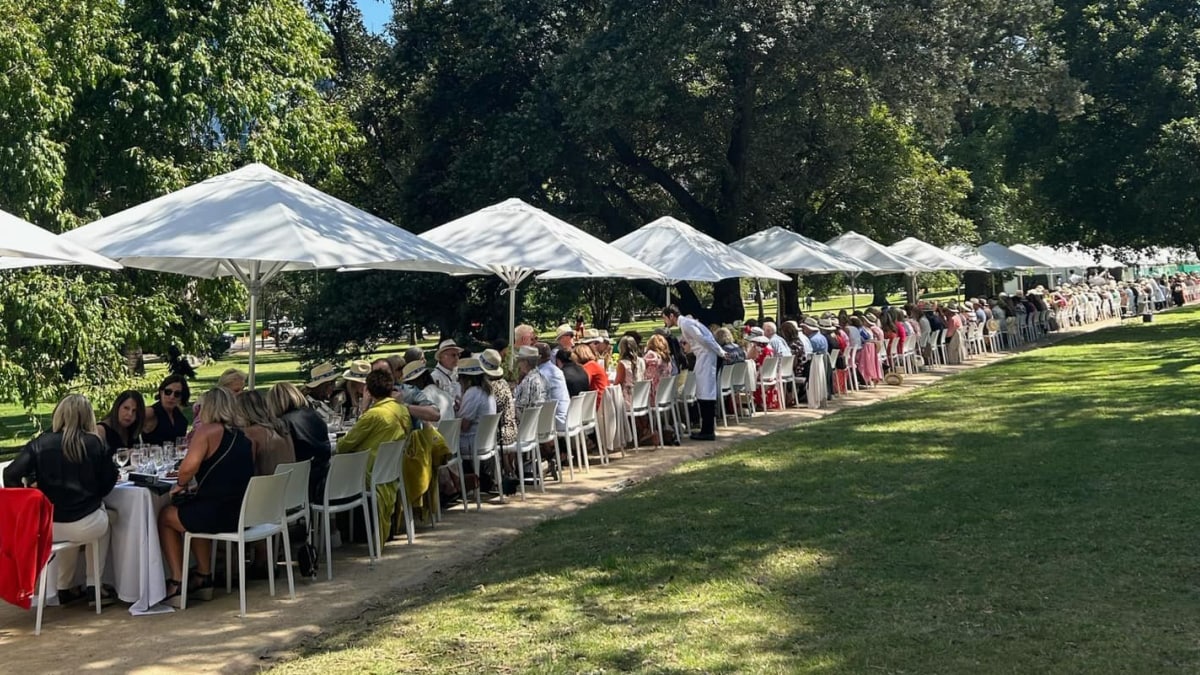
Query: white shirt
x,y
447,381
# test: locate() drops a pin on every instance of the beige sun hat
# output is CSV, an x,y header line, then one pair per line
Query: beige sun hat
x,y
446,345
322,373
357,372
491,363
413,370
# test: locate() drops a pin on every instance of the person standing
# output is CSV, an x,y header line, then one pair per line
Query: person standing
x,y
707,353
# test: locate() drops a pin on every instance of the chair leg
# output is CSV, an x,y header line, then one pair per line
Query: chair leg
x,y
633,430
409,526
328,544
500,474
287,559
372,534
228,564
183,582
462,484
271,566
478,483
41,597
242,577
95,548
541,474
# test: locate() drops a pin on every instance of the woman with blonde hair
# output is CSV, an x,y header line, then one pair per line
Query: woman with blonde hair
x,y
307,430
221,460
267,433
233,380
70,464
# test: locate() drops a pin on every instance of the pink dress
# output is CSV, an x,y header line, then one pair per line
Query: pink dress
x,y
868,359
656,368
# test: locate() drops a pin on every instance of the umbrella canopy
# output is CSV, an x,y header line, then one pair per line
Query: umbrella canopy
x,y
254,223
795,253
514,240
885,260
23,244
680,252
1045,260
933,257
998,258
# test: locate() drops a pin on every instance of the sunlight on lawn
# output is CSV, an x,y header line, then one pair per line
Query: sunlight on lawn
x,y
1034,515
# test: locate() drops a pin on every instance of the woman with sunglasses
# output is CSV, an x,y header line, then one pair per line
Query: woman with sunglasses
x,y
165,421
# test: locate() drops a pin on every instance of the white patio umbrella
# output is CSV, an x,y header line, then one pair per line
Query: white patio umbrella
x,y
933,257
1048,261
795,253
1000,258
252,224
885,261
514,240
680,252
23,244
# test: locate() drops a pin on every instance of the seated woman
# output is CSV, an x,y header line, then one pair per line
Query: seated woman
x,y
658,362
493,369
596,372
308,431
385,421
165,421
477,401
122,427
72,467
221,460
575,376
760,347
234,380
268,434
532,388
631,366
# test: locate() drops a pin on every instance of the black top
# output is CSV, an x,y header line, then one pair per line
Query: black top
x,y
113,440
576,377
224,475
167,429
75,488
310,436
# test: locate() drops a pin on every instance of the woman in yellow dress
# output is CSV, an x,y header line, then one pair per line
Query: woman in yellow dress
x,y
385,421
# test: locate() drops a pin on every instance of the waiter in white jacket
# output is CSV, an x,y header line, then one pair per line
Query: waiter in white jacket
x,y
707,352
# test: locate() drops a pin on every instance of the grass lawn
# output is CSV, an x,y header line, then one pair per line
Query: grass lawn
x,y
1038,515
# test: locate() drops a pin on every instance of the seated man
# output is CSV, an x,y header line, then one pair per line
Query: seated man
x,y
385,421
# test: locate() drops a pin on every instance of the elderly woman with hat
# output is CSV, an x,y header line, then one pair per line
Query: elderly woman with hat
x,y
532,388
493,369
760,350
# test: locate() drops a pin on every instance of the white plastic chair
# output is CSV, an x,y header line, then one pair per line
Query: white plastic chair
x,y
787,378
296,501
665,403
574,431
486,447
527,445
739,377
263,516
344,484
450,430
590,425
388,468
55,548
546,434
687,397
768,378
726,393
612,421
639,406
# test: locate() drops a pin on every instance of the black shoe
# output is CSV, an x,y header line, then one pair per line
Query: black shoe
x,y
703,437
108,595
67,596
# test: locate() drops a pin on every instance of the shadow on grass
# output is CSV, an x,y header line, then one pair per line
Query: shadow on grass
x,y
1038,514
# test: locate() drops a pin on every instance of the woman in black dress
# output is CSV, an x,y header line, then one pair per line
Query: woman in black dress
x,y
122,427
165,421
221,460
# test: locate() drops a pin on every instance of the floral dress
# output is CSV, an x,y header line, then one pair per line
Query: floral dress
x,y
507,411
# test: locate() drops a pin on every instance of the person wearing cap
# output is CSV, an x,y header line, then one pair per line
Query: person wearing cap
x,y
385,421
445,373
704,346
416,376
564,339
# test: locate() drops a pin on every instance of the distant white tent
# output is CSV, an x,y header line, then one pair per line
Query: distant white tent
x,y
998,258
254,223
794,253
883,259
1045,260
514,240
680,252
23,244
933,257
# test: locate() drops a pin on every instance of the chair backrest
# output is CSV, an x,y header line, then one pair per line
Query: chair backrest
x,y
725,380
833,354
769,370
346,475
891,346
297,489
689,388
787,366
575,411
589,406
639,400
527,430
264,500
737,374
666,391
450,430
485,434
546,420
387,462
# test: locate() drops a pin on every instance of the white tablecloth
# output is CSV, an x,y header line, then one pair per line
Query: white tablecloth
x,y
135,563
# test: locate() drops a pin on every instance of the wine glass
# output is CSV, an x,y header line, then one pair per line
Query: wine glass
x,y
137,458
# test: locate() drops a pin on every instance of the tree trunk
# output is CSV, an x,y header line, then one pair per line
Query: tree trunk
x,y
758,299
879,289
789,297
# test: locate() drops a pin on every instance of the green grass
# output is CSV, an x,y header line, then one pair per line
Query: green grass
x,y
1038,515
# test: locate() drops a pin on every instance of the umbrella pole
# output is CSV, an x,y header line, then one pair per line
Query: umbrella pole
x,y
853,292
667,288
254,285
512,325
779,301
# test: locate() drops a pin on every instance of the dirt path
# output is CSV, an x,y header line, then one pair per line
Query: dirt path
x,y
209,637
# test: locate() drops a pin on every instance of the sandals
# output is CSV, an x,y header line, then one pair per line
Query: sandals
x,y
203,588
173,597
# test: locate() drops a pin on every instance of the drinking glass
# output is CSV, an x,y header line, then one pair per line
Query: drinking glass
x,y
137,458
